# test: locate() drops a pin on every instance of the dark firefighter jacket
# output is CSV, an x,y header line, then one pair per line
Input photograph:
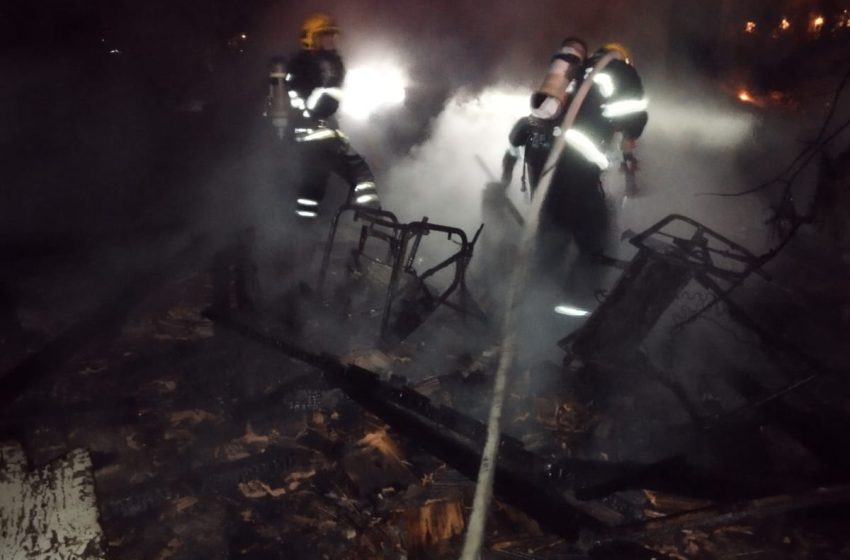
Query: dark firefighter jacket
x,y
615,103
313,83
314,79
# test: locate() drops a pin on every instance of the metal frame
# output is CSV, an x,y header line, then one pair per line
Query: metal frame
x,y
696,252
384,225
696,258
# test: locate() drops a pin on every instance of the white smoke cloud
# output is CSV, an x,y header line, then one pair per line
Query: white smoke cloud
x,y
695,144
441,178
691,145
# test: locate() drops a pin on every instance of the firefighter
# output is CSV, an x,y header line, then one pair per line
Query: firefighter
x,y
304,95
575,208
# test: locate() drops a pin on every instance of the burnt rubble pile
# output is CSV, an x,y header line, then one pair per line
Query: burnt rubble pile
x,y
216,432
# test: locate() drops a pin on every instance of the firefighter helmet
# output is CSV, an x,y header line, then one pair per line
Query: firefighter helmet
x,y
314,26
617,47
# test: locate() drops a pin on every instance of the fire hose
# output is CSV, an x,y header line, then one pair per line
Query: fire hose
x,y
484,485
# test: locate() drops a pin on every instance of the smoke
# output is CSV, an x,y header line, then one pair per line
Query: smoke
x,y
699,139
470,72
443,178
694,144
465,44
470,69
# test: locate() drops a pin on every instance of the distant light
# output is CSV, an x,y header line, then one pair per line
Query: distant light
x,y
784,24
571,311
114,51
816,24
750,27
243,36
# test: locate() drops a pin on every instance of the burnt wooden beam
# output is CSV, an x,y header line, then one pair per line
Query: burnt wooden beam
x,y
523,479
744,511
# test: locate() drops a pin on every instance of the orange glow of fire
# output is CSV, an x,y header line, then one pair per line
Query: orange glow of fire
x,y
784,24
750,27
744,96
816,24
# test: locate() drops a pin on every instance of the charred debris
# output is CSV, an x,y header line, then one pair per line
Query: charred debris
x,y
699,412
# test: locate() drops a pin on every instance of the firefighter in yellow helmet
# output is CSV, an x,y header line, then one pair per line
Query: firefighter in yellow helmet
x,y
318,32
624,53
304,95
305,91
575,209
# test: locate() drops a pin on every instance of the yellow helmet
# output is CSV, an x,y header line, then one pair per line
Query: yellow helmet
x,y
627,56
315,25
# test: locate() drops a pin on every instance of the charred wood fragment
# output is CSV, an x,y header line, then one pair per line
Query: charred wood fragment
x,y
207,480
522,478
746,511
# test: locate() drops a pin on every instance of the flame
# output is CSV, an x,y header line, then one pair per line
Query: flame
x,y
784,24
433,523
772,98
750,27
816,24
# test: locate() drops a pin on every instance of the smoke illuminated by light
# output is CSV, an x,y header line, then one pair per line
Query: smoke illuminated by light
x,y
369,88
700,123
